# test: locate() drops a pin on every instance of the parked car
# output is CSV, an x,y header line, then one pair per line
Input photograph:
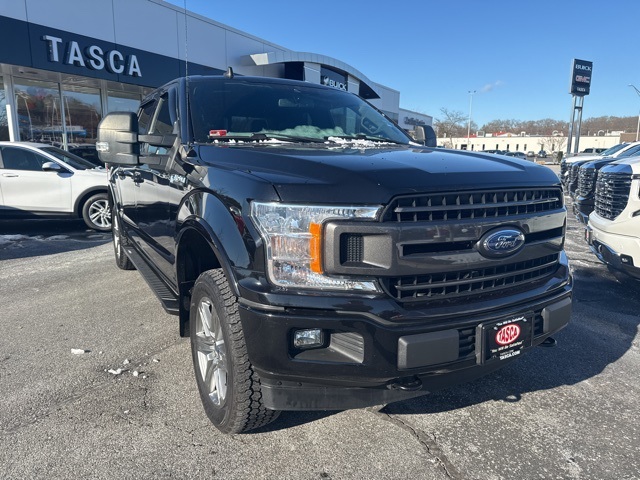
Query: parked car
x,y
39,179
542,154
498,152
516,154
88,152
531,153
593,151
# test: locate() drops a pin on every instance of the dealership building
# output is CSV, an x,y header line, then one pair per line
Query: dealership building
x,y
64,64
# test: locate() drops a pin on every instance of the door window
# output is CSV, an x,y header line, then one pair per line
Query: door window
x,y
145,116
22,159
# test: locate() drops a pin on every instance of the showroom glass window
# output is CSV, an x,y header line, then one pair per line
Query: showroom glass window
x,y
83,112
38,108
122,101
4,123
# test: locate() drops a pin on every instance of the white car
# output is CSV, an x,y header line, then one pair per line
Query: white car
x,y
38,179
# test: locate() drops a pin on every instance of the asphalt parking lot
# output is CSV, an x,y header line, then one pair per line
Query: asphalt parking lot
x,y
96,383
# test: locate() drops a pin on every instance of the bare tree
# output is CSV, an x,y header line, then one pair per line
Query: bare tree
x,y
555,143
452,123
549,126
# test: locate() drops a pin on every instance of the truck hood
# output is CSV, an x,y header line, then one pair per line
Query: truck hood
x,y
372,174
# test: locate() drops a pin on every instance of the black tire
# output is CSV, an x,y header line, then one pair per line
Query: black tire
x,y
229,387
96,212
119,240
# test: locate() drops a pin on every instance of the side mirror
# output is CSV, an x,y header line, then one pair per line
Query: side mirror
x,y
118,139
426,135
51,167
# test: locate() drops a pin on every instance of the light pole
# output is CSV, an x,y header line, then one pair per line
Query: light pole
x,y
471,92
638,127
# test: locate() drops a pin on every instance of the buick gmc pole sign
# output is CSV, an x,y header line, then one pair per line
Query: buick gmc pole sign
x,y
581,77
580,87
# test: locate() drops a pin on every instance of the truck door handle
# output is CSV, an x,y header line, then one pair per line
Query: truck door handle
x,y
10,175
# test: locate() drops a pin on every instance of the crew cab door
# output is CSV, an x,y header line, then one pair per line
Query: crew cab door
x,y
26,186
157,193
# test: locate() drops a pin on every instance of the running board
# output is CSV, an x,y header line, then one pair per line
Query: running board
x,y
162,291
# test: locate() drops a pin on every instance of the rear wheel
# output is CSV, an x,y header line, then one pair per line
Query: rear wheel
x,y
96,212
229,387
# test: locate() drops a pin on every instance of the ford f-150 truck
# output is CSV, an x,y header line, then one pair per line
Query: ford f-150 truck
x,y
318,257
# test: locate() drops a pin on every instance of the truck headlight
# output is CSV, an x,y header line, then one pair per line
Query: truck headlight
x,y
293,237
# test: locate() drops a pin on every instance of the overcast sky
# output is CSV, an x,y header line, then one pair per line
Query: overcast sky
x,y
516,55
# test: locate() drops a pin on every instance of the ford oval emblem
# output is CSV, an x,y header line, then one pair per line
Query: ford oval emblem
x,y
501,243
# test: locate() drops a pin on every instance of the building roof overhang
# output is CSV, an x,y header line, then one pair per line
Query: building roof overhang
x,y
270,58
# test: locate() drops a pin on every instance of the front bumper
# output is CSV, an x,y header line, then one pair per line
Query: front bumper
x,y
600,243
582,207
367,360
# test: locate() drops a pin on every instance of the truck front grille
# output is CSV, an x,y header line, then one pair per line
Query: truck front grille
x,y
586,181
482,204
563,169
612,194
572,182
471,283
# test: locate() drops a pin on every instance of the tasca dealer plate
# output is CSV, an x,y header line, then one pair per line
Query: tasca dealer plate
x,y
503,339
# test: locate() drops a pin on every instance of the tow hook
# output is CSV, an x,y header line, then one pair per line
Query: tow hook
x,y
548,342
407,384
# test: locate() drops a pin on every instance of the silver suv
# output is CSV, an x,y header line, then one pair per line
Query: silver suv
x,y
39,179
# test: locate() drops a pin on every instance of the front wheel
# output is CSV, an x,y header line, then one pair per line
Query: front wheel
x,y
122,261
229,387
96,212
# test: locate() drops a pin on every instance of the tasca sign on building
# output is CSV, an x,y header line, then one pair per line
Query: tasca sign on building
x,y
581,77
91,56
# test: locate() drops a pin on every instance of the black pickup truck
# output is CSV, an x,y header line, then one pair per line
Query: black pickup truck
x,y
321,259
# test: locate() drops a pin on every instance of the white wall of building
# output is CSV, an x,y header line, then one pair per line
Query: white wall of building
x,y
516,143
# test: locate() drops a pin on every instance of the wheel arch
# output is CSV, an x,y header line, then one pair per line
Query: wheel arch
x,y
198,250
81,200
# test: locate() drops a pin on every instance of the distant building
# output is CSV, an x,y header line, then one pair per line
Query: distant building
x,y
527,143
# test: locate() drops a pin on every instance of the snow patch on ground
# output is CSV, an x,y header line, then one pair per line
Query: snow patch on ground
x,y
12,238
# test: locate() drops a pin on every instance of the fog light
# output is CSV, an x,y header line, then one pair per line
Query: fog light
x,y
310,338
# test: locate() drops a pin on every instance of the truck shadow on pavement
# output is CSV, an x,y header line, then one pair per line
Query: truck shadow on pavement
x,y
31,238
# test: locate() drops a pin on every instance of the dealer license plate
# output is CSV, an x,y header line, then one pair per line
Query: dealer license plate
x,y
503,339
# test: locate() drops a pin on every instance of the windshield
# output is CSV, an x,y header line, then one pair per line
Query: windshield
x,y
630,152
613,149
240,109
69,158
